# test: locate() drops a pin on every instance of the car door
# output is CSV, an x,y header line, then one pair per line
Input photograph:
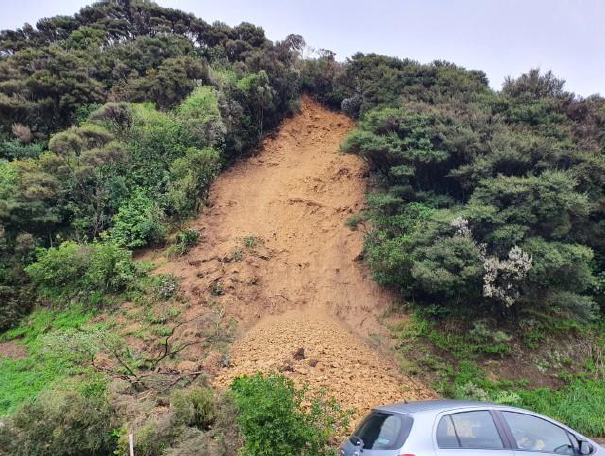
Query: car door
x,y
533,435
470,433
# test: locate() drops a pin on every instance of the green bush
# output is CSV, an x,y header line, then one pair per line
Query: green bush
x,y
153,438
16,295
513,243
175,433
90,270
200,115
15,150
194,407
190,179
274,421
155,140
186,240
61,423
138,222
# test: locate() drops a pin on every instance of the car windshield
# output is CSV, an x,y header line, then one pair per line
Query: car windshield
x,y
384,431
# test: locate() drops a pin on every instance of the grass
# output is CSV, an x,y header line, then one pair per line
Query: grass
x,y
250,241
580,405
354,221
452,358
44,320
22,379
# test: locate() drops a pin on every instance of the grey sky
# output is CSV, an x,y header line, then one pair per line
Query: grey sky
x,y
500,37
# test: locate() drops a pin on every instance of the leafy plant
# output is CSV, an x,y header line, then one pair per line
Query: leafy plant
x,y
166,286
250,241
186,240
274,421
62,422
87,270
194,407
217,288
138,222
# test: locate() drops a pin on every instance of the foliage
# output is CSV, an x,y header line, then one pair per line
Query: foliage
x,y
517,167
190,177
175,432
579,404
194,407
23,378
166,286
114,122
274,421
463,359
138,222
200,115
61,422
186,240
89,271
475,206
153,437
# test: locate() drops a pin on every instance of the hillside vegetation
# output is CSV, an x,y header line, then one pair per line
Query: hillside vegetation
x,y
113,124
486,217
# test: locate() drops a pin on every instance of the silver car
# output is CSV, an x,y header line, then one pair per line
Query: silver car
x,y
462,428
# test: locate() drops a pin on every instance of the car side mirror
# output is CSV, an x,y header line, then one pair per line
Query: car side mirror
x,y
584,447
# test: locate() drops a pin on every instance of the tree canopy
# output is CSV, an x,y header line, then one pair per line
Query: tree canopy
x,y
486,199
114,121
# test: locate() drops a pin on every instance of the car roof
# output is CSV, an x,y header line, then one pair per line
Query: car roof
x,y
423,406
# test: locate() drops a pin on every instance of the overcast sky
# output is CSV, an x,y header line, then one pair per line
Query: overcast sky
x,y
500,37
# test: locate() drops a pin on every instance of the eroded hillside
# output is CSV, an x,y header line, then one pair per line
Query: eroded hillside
x,y
277,257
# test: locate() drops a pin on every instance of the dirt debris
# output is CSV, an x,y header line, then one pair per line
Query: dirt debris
x,y
343,365
277,258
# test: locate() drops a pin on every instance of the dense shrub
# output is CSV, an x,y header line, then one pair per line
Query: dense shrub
x,y
274,421
200,115
138,222
16,295
200,421
60,423
129,146
194,407
154,437
318,77
486,199
190,178
86,269
476,203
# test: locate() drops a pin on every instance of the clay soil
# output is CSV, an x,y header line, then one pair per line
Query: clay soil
x,y
277,258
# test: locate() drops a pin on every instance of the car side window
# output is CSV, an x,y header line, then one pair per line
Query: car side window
x,y
468,430
381,431
535,434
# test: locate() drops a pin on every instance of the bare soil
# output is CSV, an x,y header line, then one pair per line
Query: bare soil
x,y
12,350
277,258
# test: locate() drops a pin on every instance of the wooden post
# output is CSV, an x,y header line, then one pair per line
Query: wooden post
x,y
131,443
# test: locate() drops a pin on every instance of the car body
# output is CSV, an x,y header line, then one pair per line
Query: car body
x,y
463,428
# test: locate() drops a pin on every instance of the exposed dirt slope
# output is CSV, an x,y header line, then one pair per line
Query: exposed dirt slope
x,y
277,257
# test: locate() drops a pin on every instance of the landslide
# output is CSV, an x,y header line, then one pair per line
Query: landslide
x,y
277,258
